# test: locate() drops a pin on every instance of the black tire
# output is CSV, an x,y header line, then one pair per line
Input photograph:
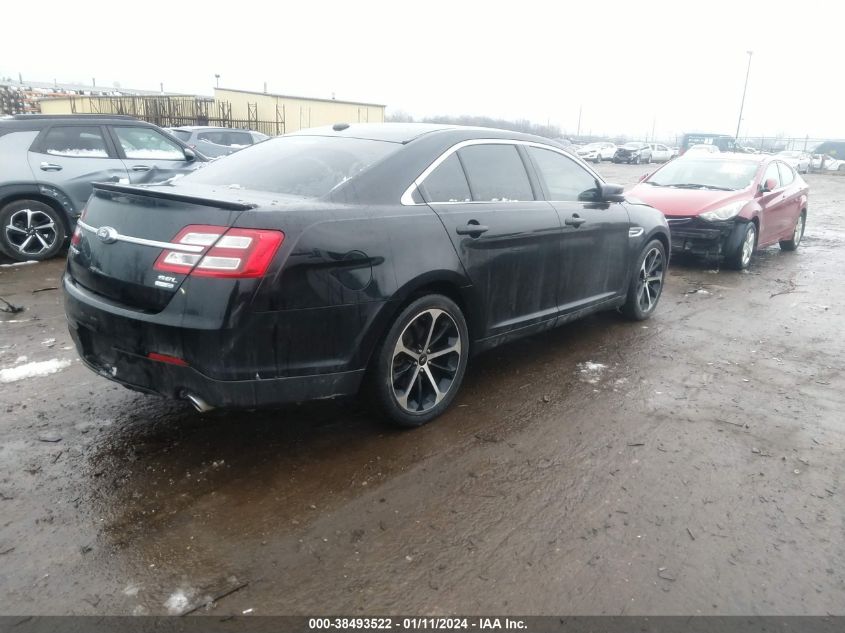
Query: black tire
x,y
740,258
31,230
841,167
646,285
598,159
439,320
636,161
797,234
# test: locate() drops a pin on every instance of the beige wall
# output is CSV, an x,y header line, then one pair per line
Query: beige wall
x,y
62,106
295,112
299,113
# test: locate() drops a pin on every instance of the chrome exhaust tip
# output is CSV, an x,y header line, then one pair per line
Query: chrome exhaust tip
x,y
199,404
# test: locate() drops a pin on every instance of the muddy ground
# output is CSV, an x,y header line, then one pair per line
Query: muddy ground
x,y
699,471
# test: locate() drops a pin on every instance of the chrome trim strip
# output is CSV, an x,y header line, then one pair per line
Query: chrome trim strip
x,y
635,231
407,198
183,248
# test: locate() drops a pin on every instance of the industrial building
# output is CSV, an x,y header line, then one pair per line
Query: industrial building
x,y
265,112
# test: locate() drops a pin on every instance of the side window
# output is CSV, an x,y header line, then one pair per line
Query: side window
x,y
76,141
182,135
496,173
772,172
786,174
564,179
145,143
447,183
238,139
212,137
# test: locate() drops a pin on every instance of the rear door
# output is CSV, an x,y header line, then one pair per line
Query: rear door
x,y
72,157
594,242
506,238
148,155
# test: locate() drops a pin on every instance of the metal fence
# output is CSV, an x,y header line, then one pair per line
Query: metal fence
x,y
173,111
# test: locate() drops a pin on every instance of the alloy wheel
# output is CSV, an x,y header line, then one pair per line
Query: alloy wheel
x,y
31,232
426,359
748,244
650,283
799,230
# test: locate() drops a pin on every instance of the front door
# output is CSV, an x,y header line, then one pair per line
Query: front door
x,y
594,242
69,158
149,156
774,207
507,240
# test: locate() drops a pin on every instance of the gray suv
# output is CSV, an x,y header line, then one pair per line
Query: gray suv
x,y
49,162
216,141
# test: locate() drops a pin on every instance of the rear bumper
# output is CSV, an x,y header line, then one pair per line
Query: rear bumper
x,y
115,345
714,239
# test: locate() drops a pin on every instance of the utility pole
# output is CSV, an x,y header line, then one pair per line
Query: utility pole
x,y
580,108
217,78
653,125
744,89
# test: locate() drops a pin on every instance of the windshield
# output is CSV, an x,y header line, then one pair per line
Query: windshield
x,y
632,145
592,146
182,135
307,166
791,154
707,174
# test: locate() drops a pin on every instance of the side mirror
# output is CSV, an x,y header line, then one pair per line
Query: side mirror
x,y
611,193
770,185
190,154
644,176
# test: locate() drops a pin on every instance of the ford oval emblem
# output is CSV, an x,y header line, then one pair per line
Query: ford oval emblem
x,y
107,235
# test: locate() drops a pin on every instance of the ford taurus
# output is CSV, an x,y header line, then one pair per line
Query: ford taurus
x,y
376,255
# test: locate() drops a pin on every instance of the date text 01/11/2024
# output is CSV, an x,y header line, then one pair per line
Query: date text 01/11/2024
x,y
422,623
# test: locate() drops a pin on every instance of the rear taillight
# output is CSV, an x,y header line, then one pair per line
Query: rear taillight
x,y
226,253
77,232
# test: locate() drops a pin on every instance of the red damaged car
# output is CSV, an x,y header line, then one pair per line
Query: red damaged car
x,y
727,205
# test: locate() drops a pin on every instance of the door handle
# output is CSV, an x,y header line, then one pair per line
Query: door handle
x,y
574,221
141,168
473,229
50,167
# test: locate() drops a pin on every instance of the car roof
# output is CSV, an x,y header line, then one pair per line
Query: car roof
x,y
38,121
406,132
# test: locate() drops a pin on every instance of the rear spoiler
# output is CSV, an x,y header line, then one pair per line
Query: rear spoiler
x,y
167,195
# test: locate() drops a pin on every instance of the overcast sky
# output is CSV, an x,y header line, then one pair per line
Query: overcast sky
x,y
628,65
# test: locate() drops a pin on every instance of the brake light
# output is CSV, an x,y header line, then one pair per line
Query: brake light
x,y
241,253
166,358
77,236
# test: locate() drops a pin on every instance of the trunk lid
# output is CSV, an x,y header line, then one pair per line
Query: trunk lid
x,y
126,228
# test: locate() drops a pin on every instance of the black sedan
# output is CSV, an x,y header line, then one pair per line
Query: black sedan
x,y
376,254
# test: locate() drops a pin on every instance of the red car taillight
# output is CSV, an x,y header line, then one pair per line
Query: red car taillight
x,y
238,253
77,232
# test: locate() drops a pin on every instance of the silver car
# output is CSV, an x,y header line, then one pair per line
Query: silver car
x,y
49,162
216,141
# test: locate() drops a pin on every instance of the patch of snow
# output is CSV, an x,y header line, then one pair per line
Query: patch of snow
x,y
20,359
26,263
178,601
70,151
154,154
591,372
33,370
132,589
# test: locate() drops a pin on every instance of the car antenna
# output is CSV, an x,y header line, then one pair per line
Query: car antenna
x,y
339,127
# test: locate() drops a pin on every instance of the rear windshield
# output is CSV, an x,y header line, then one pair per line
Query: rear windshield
x,y
706,174
306,166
